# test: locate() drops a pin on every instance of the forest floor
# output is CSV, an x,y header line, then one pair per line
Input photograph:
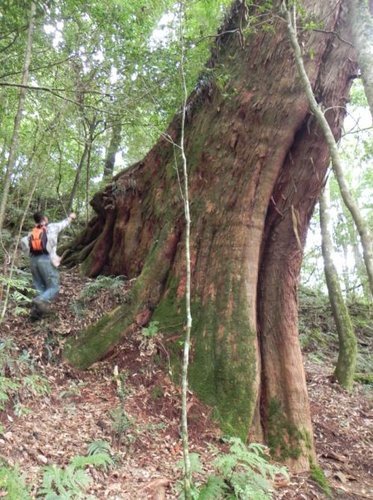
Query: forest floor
x,y
53,417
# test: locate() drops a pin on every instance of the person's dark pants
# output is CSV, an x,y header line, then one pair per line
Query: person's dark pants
x,y
45,277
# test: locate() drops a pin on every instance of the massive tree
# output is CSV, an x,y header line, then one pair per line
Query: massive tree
x,y
257,161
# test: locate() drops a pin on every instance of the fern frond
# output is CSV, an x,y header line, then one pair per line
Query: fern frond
x,y
103,460
99,446
12,482
225,464
246,472
195,463
64,483
215,488
76,479
7,388
36,384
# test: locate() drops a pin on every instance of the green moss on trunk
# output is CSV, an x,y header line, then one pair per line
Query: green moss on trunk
x,y
223,360
285,440
96,340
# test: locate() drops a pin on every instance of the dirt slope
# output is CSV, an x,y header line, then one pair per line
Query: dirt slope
x,y
138,412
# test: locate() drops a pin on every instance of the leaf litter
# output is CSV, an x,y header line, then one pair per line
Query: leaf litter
x,y
143,427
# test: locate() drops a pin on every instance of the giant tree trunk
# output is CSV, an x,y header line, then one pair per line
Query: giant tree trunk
x,y
257,161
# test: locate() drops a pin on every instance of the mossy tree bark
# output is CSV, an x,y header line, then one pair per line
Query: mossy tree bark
x,y
345,368
257,161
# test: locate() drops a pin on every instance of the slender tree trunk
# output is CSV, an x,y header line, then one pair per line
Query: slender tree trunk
x,y
361,224
346,363
362,35
346,272
359,220
256,164
77,176
360,271
188,310
116,135
87,178
18,118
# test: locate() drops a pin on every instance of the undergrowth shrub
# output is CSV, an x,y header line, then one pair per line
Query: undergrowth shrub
x,y
112,284
18,379
8,389
8,366
152,330
102,448
12,483
317,474
72,481
20,290
121,423
244,473
317,330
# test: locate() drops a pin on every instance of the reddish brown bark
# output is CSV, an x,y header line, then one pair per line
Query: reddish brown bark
x,y
257,164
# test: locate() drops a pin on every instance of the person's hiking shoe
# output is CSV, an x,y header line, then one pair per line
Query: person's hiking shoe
x,y
35,314
41,306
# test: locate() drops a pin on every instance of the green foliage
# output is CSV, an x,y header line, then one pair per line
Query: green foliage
x,y
99,446
317,474
247,470
36,385
111,283
104,77
121,422
215,487
18,379
20,290
244,473
7,356
102,449
122,426
7,389
313,339
151,330
71,482
13,484
74,389
317,333
97,460
364,378
21,410
122,388
355,148
357,94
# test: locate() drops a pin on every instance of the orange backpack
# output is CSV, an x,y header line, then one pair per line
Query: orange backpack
x,y
38,240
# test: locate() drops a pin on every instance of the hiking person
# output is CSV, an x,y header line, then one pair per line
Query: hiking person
x,y
41,245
